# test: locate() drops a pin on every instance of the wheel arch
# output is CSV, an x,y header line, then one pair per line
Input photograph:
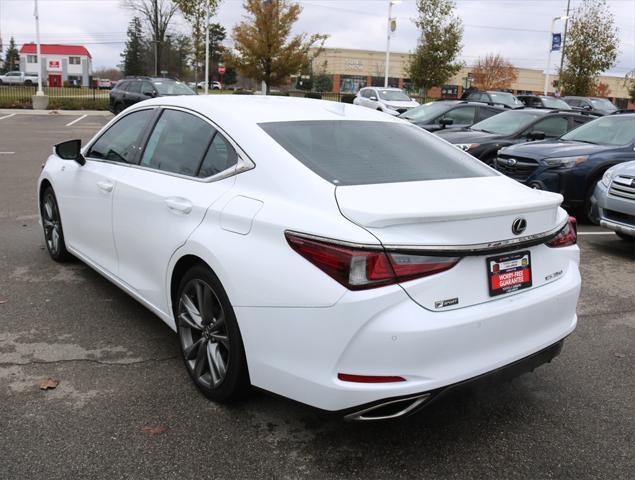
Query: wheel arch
x,y
182,265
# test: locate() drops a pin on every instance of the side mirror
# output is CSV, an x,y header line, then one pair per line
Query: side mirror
x,y
536,135
70,150
587,107
151,94
373,98
444,122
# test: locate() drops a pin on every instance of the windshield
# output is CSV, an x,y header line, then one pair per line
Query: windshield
x,y
552,102
505,99
170,87
616,130
393,95
347,152
425,113
603,103
506,123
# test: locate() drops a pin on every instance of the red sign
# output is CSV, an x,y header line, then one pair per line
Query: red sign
x,y
221,69
54,64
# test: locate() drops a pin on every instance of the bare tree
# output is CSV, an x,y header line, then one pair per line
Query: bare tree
x,y
158,15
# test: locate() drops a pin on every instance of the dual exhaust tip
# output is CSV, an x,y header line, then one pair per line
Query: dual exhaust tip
x,y
389,410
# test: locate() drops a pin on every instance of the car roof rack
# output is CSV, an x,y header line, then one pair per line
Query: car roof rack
x,y
572,110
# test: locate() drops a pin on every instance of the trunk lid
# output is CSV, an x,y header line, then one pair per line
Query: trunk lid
x,y
458,214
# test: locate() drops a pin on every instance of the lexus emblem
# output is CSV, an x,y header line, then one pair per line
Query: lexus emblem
x,y
519,225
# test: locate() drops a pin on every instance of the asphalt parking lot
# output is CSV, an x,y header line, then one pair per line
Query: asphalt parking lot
x,y
125,407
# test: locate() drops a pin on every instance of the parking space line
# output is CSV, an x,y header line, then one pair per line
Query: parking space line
x,y
76,120
7,153
8,116
596,233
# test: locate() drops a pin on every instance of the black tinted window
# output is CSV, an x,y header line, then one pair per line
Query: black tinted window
x,y
122,141
134,87
484,113
219,157
552,127
177,144
359,153
461,115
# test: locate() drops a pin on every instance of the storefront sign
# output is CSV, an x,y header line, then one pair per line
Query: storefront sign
x,y
354,64
54,64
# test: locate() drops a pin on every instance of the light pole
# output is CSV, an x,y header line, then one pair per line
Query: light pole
x,y
207,48
38,52
553,23
389,30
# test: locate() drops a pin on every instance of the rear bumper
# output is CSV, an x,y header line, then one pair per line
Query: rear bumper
x,y
298,352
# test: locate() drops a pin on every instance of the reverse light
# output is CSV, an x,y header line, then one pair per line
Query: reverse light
x,y
346,377
568,235
566,162
370,267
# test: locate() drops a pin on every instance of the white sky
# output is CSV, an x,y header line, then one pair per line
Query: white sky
x,y
517,29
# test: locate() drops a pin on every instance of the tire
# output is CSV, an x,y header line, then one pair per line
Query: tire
x,y
28,83
211,344
587,210
625,237
52,226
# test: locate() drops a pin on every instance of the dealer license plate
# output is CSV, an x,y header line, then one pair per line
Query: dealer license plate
x,y
509,273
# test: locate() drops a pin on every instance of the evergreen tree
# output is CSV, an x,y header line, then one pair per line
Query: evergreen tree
x,y
12,57
133,54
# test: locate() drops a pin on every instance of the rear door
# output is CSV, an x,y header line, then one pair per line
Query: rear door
x,y
185,167
132,94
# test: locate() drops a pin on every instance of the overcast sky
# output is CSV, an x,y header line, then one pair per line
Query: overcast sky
x,y
517,29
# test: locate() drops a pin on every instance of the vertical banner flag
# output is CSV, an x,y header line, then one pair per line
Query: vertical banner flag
x,y
556,41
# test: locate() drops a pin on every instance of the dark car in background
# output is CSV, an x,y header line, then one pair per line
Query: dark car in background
x,y
599,106
133,90
544,101
443,114
500,98
484,139
575,163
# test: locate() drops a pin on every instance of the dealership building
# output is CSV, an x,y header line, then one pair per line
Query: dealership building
x,y
351,70
61,64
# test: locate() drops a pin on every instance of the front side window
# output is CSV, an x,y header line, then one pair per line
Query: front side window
x,y
553,102
178,143
74,60
134,87
348,152
147,88
552,127
615,130
122,141
507,123
604,104
461,115
425,113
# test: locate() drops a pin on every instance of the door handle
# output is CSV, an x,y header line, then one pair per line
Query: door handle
x,y
179,205
105,186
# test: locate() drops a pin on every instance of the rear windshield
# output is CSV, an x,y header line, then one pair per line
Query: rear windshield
x,y
347,152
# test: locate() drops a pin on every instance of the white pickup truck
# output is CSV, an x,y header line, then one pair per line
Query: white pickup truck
x,y
18,78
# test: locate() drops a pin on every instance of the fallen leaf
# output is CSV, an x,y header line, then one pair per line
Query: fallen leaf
x,y
49,383
2,301
153,430
620,355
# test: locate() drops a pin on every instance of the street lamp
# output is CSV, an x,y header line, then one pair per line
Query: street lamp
x,y
389,30
553,23
207,9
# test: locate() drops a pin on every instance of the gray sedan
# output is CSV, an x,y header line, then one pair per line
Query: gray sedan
x,y
615,197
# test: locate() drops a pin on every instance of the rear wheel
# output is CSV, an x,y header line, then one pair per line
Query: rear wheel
x,y
210,339
28,83
52,224
623,236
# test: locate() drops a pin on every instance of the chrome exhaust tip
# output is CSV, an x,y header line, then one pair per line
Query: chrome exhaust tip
x,y
388,410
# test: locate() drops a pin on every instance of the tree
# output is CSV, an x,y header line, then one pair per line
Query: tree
x,y
134,54
592,46
493,73
110,73
434,61
12,57
158,15
323,83
196,14
264,49
602,90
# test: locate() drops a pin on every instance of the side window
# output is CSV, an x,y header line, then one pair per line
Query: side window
x,y
552,126
373,93
574,102
462,115
484,97
134,87
220,156
147,88
579,121
122,141
535,102
121,85
177,144
484,112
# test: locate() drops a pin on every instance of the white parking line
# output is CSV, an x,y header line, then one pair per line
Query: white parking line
x,y
8,116
7,153
596,233
76,120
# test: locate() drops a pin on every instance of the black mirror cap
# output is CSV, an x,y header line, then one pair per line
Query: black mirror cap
x,y
537,135
444,122
70,150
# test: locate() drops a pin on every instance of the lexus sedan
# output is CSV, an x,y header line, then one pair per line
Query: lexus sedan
x,y
292,248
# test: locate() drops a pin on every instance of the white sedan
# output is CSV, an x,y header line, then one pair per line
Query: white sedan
x,y
294,248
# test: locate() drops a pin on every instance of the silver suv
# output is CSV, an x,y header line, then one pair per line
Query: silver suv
x,y
615,197
389,100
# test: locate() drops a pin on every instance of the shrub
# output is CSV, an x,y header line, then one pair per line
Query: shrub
x,y
347,98
278,94
313,95
243,92
77,104
15,103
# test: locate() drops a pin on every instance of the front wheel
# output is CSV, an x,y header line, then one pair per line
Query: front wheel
x,y
52,224
210,339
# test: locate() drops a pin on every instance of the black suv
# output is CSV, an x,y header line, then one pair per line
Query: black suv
x,y
599,106
132,90
484,139
500,98
543,101
450,113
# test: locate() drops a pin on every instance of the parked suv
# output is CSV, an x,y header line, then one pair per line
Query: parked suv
x,y
443,114
544,101
574,164
389,100
601,106
133,90
614,198
500,98
484,139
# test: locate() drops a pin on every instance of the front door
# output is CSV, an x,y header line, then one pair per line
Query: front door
x,y
55,80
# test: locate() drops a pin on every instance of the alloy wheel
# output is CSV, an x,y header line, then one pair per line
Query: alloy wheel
x,y
203,333
52,224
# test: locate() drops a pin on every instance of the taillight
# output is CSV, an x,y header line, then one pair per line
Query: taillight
x,y
567,236
363,268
